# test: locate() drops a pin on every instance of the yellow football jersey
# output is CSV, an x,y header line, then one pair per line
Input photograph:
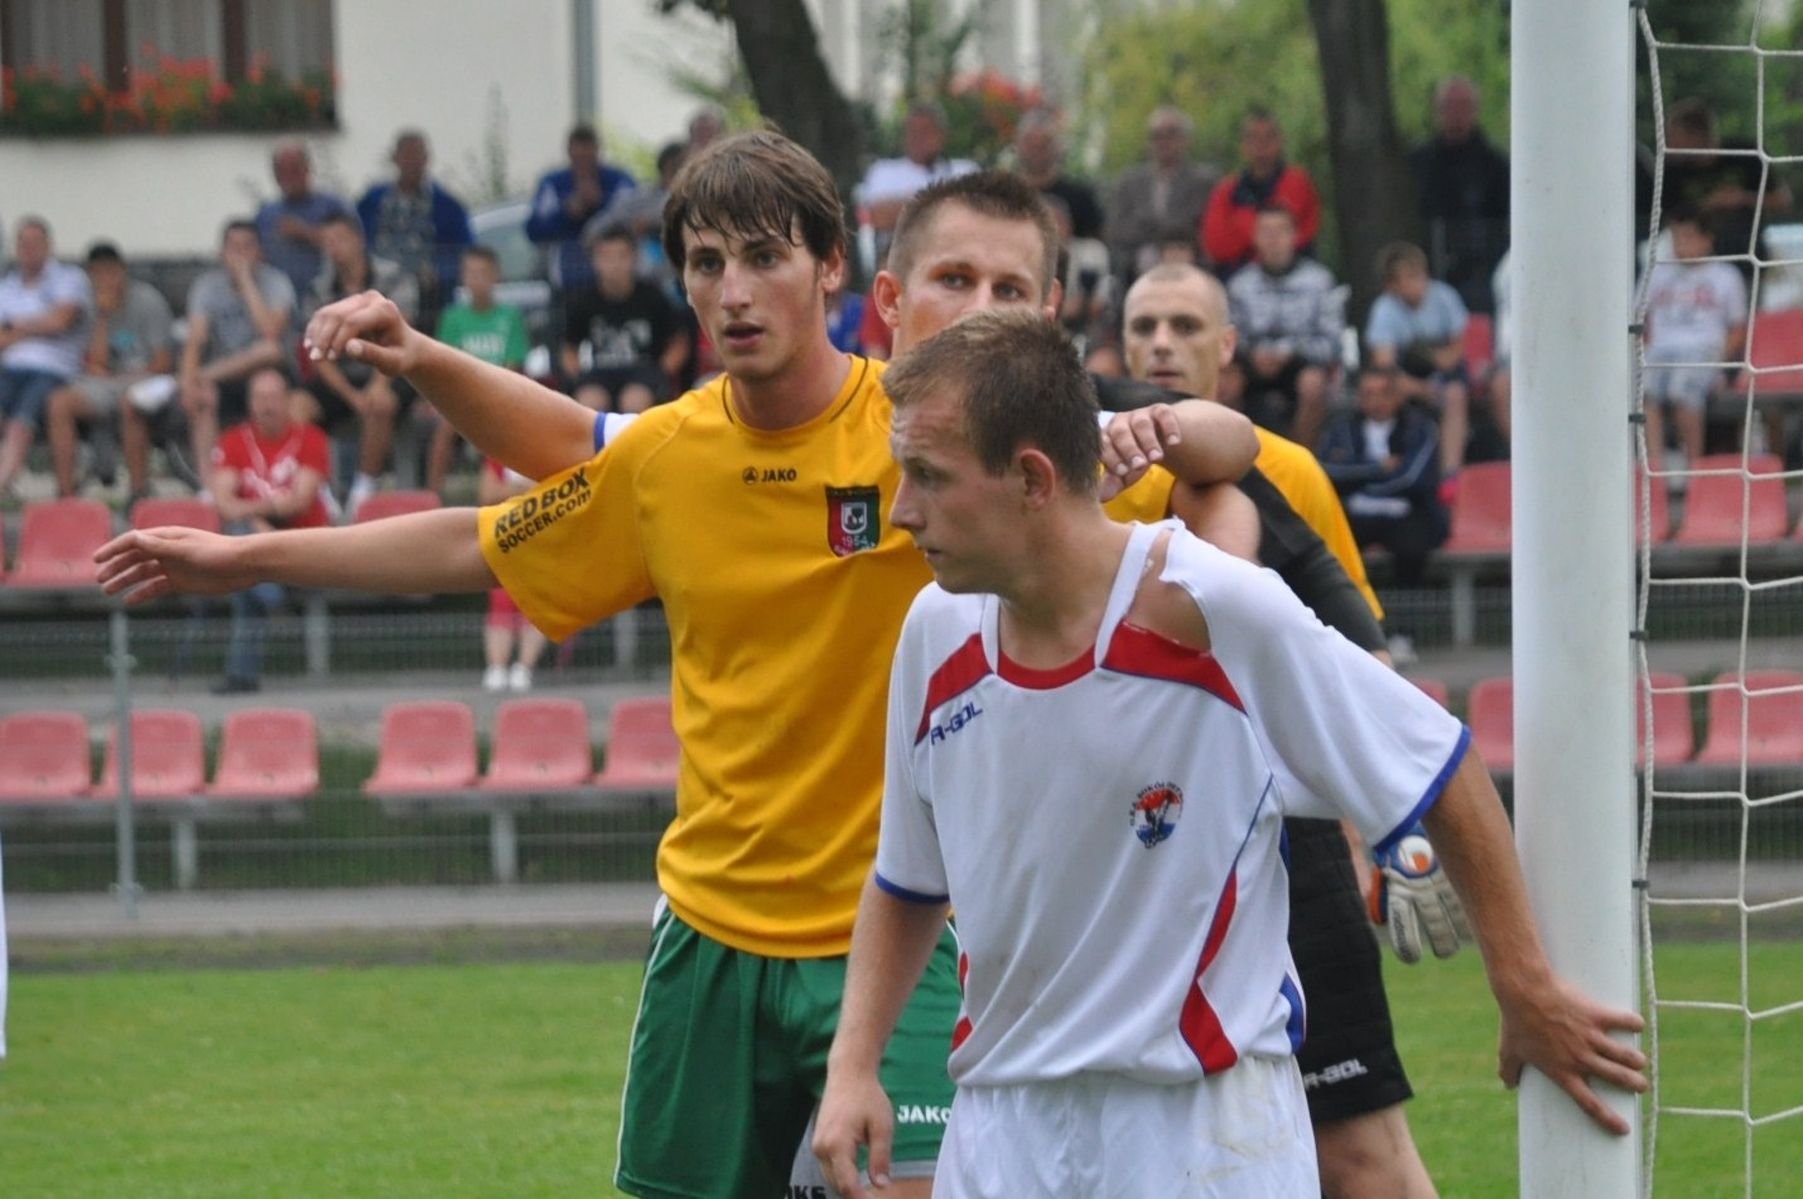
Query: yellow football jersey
x,y
785,587
1298,475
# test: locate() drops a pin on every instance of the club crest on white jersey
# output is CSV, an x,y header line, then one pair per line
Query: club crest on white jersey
x,y
1155,811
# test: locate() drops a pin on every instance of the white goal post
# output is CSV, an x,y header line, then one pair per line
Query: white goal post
x,y
1571,204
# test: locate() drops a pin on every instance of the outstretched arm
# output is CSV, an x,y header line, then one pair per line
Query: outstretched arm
x,y
1197,441
1546,1022
521,424
421,553
890,945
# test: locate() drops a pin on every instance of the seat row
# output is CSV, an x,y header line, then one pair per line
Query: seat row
x,y
57,538
268,764
1763,712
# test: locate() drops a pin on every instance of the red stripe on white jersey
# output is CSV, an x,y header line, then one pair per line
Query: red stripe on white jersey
x,y
1141,652
967,666
1200,1026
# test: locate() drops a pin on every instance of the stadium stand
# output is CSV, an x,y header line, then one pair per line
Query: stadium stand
x,y
384,504
1722,508
427,748
44,758
57,540
1658,520
267,755
1481,533
1490,711
1479,345
188,512
1774,351
316,626
642,750
168,757
1773,724
1673,740
540,757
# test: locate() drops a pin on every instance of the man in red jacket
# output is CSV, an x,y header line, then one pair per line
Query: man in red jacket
x,y
1233,207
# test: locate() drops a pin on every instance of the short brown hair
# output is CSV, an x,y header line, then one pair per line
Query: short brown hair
x,y
755,184
1001,195
1397,255
1022,385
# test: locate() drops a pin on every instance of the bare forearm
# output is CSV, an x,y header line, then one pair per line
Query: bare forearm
x,y
421,553
890,947
507,416
1218,444
1471,833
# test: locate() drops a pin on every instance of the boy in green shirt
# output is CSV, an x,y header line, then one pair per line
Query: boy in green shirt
x,y
495,333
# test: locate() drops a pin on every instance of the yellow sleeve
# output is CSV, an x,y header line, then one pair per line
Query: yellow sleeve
x,y
1147,501
1315,500
568,551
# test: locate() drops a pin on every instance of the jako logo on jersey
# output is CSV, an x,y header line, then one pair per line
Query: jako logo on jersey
x,y
770,474
921,1113
852,520
533,513
959,719
1155,812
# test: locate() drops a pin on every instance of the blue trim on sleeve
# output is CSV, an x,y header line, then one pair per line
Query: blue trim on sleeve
x,y
901,892
1297,1025
600,431
1431,797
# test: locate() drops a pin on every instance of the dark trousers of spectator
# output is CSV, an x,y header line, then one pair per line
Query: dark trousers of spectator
x,y
250,624
1410,540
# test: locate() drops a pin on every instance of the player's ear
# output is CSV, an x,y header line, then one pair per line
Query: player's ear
x,y
1230,341
885,293
1054,300
832,271
1039,478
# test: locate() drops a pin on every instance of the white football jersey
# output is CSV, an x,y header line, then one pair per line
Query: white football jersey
x,y
1110,833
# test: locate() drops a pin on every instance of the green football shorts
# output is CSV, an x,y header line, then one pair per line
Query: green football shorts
x,y
728,1061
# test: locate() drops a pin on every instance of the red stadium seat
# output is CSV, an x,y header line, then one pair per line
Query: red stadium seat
x,y
44,756
1774,342
642,750
168,757
188,512
1673,740
1490,711
57,540
381,505
1480,516
1722,506
267,753
540,743
1479,344
1774,723
428,746
1435,689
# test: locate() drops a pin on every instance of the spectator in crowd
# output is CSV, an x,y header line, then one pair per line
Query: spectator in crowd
x,y
291,224
1696,313
347,388
1502,374
1288,312
130,341
238,320
1087,283
1159,202
1039,159
43,304
564,202
482,327
267,473
640,211
1725,189
1383,459
1233,206
636,343
890,182
705,128
1462,182
414,221
511,644
1418,324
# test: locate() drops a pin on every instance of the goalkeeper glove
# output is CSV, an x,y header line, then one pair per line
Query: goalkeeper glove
x,y
1412,898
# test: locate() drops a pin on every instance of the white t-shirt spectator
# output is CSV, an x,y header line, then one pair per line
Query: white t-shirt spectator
x,y
1440,319
57,284
1691,306
899,178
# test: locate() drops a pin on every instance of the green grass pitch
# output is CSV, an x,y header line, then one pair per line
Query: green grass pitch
x,y
504,1079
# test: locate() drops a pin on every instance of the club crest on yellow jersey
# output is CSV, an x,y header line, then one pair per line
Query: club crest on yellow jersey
x,y
853,519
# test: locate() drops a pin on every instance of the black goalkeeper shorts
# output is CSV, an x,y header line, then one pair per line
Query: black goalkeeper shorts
x,y
1349,1062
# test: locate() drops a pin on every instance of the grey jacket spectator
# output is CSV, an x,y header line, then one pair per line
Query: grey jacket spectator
x,y
290,224
1298,310
1160,201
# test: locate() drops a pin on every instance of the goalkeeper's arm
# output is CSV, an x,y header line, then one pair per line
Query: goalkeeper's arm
x,y
1546,1022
